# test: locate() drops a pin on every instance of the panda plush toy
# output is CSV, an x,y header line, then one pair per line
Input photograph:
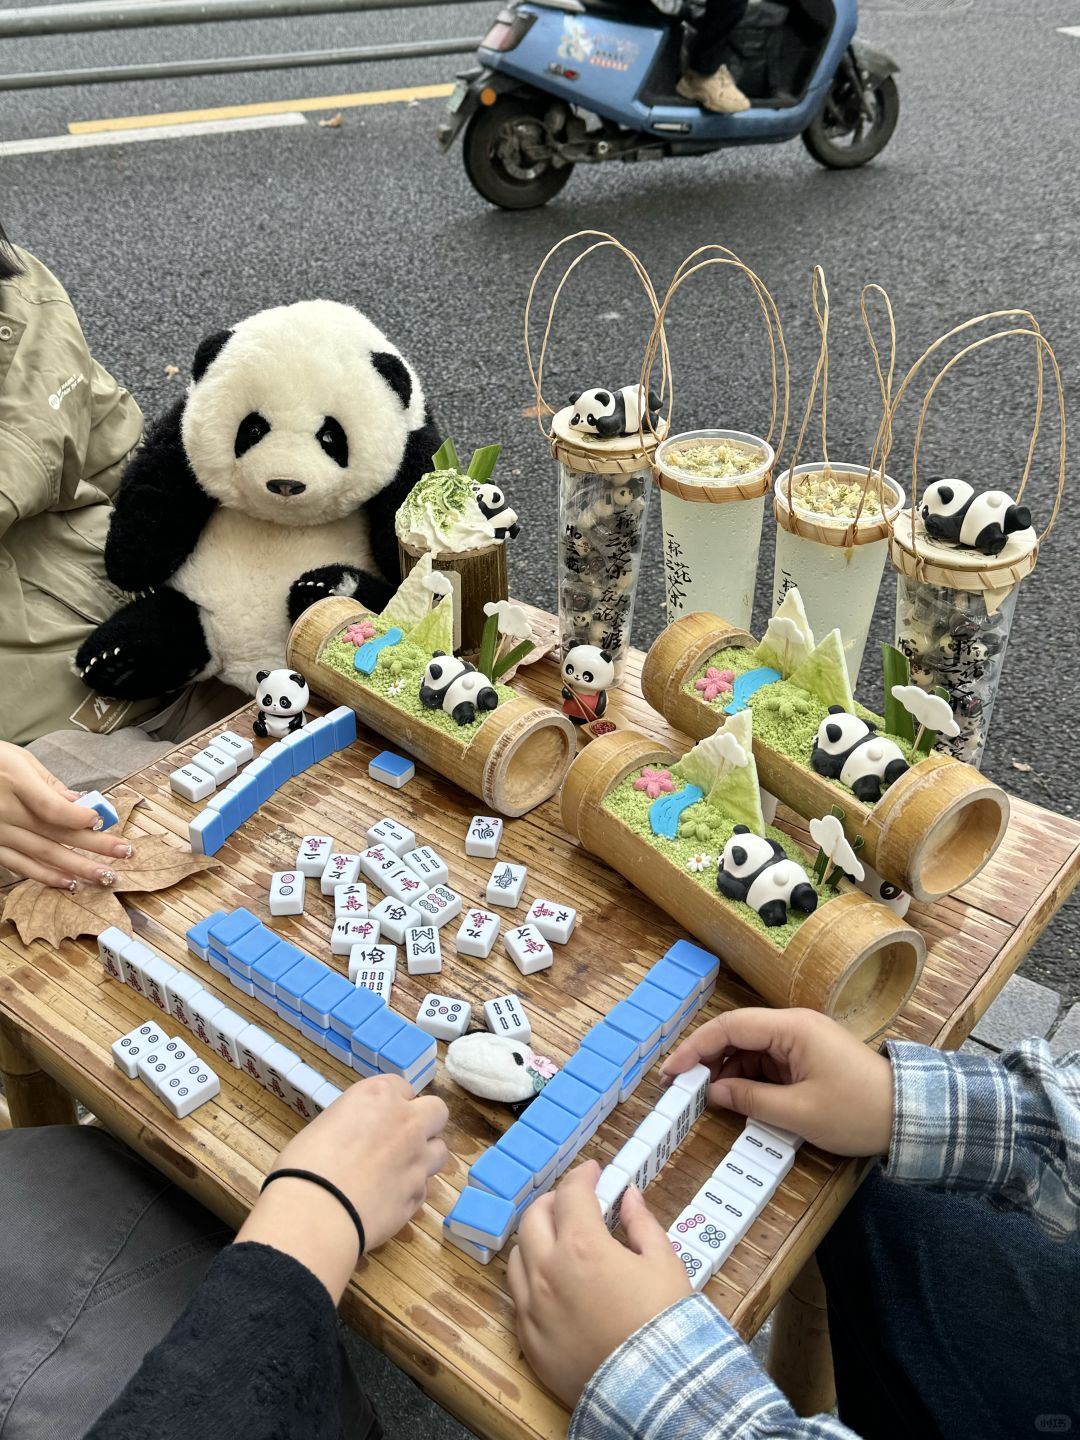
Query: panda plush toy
x,y
954,510
849,750
274,482
610,413
756,871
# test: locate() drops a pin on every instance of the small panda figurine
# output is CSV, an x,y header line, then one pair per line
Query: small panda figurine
x,y
757,871
282,696
953,510
849,750
872,884
609,413
457,687
493,507
589,673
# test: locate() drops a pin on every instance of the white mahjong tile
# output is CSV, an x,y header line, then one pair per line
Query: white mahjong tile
x,y
325,1096
423,953
392,833
202,1009
214,763
528,949
132,1047
377,861
225,1031
191,783
156,975
766,1148
554,921
744,1174
401,883
161,1059
505,1015
275,1066
705,1227
379,979
699,1269
252,1044
439,906
484,836
340,869
428,864
301,1086
655,1132
110,943
134,958
695,1082
235,745
477,933
444,1017
730,1206
373,957
350,901
180,991
610,1189
287,892
347,933
189,1087
395,917
506,884
677,1107
313,854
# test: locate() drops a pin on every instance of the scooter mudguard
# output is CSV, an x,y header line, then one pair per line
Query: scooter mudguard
x,y
878,64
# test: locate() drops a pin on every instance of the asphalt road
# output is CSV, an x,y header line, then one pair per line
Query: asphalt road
x,y
972,208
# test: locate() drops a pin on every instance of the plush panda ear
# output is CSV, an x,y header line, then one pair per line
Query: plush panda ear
x,y
207,353
296,679
396,374
575,397
436,653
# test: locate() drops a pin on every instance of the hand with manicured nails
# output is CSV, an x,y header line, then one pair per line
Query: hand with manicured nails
x,y
579,1293
40,826
798,1070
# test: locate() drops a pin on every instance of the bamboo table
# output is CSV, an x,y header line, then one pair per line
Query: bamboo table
x,y
443,1318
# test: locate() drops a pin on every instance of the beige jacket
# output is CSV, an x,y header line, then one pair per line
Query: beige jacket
x,y
66,431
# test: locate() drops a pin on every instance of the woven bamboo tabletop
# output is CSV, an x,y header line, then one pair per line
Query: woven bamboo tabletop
x,y
445,1319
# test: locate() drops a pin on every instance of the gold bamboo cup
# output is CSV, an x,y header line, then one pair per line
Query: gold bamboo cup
x,y
480,577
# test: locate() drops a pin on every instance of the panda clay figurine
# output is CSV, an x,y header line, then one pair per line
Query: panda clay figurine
x,y
457,687
493,507
272,484
588,673
609,413
849,750
874,885
282,696
757,871
953,510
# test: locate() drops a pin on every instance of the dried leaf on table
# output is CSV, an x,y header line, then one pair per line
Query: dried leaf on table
x,y
124,805
40,912
156,865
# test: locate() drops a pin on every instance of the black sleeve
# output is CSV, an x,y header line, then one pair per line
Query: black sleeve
x,y
160,510
255,1355
383,507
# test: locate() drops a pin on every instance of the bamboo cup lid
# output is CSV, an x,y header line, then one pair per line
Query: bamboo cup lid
x,y
704,490
838,530
621,455
936,562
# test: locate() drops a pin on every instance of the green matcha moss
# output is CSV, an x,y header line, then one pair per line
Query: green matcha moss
x,y
401,662
442,494
632,808
795,736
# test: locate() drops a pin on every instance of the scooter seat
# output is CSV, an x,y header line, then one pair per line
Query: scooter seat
x,y
644,12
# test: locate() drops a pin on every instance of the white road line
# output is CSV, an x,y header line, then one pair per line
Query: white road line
x,y
45,143
1073,30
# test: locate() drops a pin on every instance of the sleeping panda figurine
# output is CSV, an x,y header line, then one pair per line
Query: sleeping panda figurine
x,y
849,750
457,687
274,482
757,871
493,507
610,413
953,510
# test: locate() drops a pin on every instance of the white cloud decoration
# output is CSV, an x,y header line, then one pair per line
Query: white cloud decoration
x,y
928,711
828,835
512,619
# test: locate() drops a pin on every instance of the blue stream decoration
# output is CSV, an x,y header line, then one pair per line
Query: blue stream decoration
x,y
664,812
749,684
368,653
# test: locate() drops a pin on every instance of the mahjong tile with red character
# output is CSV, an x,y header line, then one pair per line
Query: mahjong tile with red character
x,y
313,854
477,933
554,921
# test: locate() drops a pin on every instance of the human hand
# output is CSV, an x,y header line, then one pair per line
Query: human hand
x,y
380,1146
579,1293
796,1069
40,823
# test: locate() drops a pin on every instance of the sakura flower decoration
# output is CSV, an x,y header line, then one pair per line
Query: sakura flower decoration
x,y
828,835
930,712
655,783
715,683
361,631
541,1064
698,863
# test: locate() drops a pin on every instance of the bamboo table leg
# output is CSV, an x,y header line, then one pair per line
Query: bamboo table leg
x,y
33,1098
800,1359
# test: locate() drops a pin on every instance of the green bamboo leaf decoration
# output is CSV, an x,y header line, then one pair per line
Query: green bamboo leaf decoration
x,y
489,640
483,463
897,671
511,658
446,457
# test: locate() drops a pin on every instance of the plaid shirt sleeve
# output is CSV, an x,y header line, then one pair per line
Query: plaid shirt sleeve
x,y
687,1376
1007,1128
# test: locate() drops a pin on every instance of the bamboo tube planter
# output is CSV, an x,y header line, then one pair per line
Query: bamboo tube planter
x,y
852,959
513,760
932,831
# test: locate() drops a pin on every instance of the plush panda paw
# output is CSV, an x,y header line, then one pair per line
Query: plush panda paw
x,y
105,670
339,580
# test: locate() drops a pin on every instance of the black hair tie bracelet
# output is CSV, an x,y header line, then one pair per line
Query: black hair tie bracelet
x,y
331,1189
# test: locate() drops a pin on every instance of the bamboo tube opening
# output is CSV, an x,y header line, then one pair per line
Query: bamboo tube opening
x,y
957,849
877,988
528,760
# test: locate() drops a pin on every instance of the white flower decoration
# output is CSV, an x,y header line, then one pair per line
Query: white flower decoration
x,y
698,863
512,619
395,687
828,835
930,712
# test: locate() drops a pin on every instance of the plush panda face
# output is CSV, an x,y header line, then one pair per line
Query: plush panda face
x,y
300,414
841,731
281,692
587,667
944,498
589,407
745,852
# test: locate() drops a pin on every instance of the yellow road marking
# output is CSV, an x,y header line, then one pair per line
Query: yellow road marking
x,y
264,107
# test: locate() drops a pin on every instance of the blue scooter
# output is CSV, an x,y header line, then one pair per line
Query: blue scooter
x,y
569,82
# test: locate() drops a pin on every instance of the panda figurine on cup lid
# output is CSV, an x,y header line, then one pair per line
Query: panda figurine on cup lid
x,y
611,413
588,674
954,510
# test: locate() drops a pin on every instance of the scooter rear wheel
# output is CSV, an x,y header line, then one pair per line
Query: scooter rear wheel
x,y
842,137
508,156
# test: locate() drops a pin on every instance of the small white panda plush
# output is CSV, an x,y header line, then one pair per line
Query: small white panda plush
x,y
609,413
588,673
953,510
493,507
849,750
497,1068
453,685
756,871
282,696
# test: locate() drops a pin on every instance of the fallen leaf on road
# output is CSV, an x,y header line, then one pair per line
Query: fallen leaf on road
x,y
1022,765
532,411
171,370
332,122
